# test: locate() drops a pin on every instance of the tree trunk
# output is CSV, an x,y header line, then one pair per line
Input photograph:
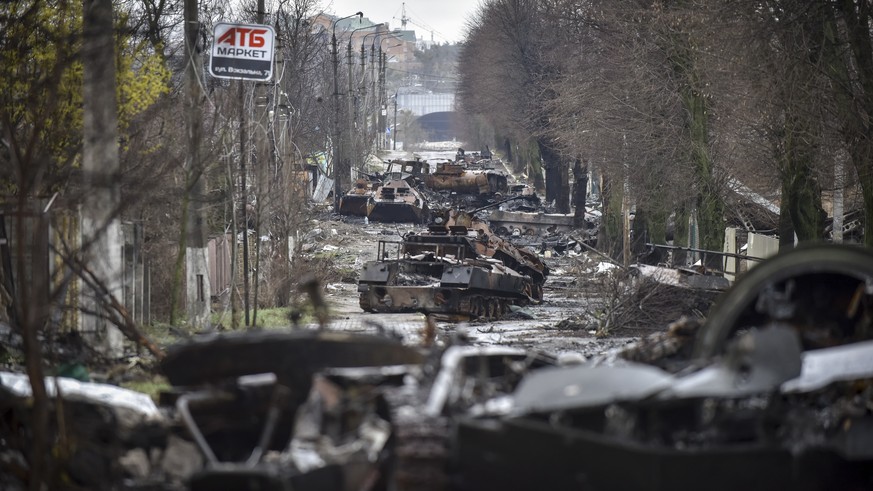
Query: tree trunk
x,y
710,209
557,189
853,89
681,232
804,200
786,228
610,237
533,163
580,190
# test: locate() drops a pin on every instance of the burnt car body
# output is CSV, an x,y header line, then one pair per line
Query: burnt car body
x,y
290,429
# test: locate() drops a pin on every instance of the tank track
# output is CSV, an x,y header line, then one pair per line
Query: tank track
x,y
475,306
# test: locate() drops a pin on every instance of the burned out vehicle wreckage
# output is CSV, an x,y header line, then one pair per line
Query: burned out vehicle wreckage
x,y
392,197
773,391
455,269
409,189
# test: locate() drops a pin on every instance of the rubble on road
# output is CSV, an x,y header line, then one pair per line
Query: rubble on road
x,y
773,393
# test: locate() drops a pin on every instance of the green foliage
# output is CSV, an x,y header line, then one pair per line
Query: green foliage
x,y
142,79
41,78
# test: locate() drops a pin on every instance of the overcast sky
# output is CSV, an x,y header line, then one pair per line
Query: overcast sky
x,y
446,18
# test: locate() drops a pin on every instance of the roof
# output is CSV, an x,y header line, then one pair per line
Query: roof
x,y
404,35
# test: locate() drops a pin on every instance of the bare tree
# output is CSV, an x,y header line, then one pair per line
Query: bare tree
x,y
506,67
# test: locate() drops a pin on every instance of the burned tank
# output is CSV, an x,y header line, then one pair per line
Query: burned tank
x,y
454,269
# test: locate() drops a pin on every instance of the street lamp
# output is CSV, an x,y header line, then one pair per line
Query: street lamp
x,y
373,99
350,100
337,152
372,46
383,62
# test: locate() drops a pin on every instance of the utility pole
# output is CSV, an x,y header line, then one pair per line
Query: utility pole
x,y
101,166
350,98
377,103
338,166
383,99
260,104
394,133
243,155
196,257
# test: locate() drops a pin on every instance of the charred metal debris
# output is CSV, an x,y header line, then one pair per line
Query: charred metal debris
x,y
773,391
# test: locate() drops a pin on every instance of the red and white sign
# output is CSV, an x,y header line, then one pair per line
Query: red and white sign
x,y
242,51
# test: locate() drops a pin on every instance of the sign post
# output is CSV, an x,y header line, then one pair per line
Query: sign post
x,y
242,52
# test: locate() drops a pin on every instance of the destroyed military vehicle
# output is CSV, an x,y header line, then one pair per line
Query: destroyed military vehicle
x,y
359,200
457,269
463,178
392,197
774,391
265,411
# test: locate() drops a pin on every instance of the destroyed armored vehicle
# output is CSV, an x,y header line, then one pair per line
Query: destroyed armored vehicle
x,y
777,393
396,198
389,197
253,411
462,178
359,200
453,269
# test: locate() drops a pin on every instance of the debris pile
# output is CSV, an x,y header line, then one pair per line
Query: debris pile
x,y
773,391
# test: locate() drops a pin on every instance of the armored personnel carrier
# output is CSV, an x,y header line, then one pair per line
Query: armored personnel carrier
x,y
463,178
359,200
456,269
391,197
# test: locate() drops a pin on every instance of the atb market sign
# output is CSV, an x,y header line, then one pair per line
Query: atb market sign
x,y
242,52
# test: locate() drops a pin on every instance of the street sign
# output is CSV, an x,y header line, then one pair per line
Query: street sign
x,y
242,52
